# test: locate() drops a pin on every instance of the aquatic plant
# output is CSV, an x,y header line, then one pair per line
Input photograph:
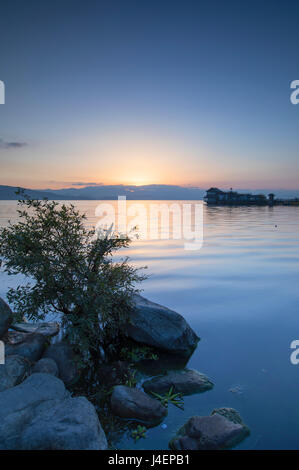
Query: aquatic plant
x,y
139,432
175,399
131,380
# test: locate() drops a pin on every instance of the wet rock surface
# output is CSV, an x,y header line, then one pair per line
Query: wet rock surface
x,y
28,345
157,326
40,414
46,329
46,366
133,403
186,381
223,429
13,372
64,357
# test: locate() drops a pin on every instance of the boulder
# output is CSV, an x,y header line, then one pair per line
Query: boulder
x,y
40,414
224,429
28,345
5,317
13,372
46,329
64,357
160,327
185,381
134,404
46,366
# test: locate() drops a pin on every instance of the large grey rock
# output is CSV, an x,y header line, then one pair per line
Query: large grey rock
x,y
13,372
30,346
46,329
46,366
40,414
5,317
63,355
186,381
133,403
160,327
224,429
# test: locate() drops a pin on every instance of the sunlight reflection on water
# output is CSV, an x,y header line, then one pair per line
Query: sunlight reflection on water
x,y
240,294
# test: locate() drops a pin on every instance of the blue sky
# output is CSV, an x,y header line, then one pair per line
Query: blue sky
x,y
174,92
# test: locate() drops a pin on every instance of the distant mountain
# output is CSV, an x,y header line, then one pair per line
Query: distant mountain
x,y
9,193
148,192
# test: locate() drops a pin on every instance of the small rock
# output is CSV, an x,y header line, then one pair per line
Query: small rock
x,y
13,372
30,346
160,327
237,389
186,381
229,413
46,329
40,414
64,357
224,429
5,317
133,403
46,366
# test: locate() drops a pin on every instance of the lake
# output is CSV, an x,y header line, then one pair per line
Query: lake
x,y
240,294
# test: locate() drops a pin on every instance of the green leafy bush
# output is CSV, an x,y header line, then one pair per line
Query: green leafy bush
x,y
71,273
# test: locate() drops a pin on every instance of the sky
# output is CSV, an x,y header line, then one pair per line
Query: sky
x,y
149,92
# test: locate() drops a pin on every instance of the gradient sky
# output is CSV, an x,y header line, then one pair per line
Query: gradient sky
x,y
174,92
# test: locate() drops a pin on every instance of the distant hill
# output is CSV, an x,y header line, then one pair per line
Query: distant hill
x,y
148,192
8,193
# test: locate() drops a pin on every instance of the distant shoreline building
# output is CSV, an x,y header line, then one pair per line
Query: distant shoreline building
x,y
217,197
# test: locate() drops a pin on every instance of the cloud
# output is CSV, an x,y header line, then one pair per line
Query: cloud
x,y
81,183
10,145
74,183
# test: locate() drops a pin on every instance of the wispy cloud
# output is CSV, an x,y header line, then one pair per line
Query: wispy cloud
x,y
11,145
81,183
74,183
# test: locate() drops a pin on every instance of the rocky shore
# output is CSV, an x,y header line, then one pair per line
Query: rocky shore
x,y
39,409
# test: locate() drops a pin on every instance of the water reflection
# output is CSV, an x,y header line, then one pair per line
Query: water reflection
x,y
240,294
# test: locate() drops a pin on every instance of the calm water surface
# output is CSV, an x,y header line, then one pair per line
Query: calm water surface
x,y
240,294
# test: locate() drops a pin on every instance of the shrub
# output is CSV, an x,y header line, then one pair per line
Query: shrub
x,y
71,273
